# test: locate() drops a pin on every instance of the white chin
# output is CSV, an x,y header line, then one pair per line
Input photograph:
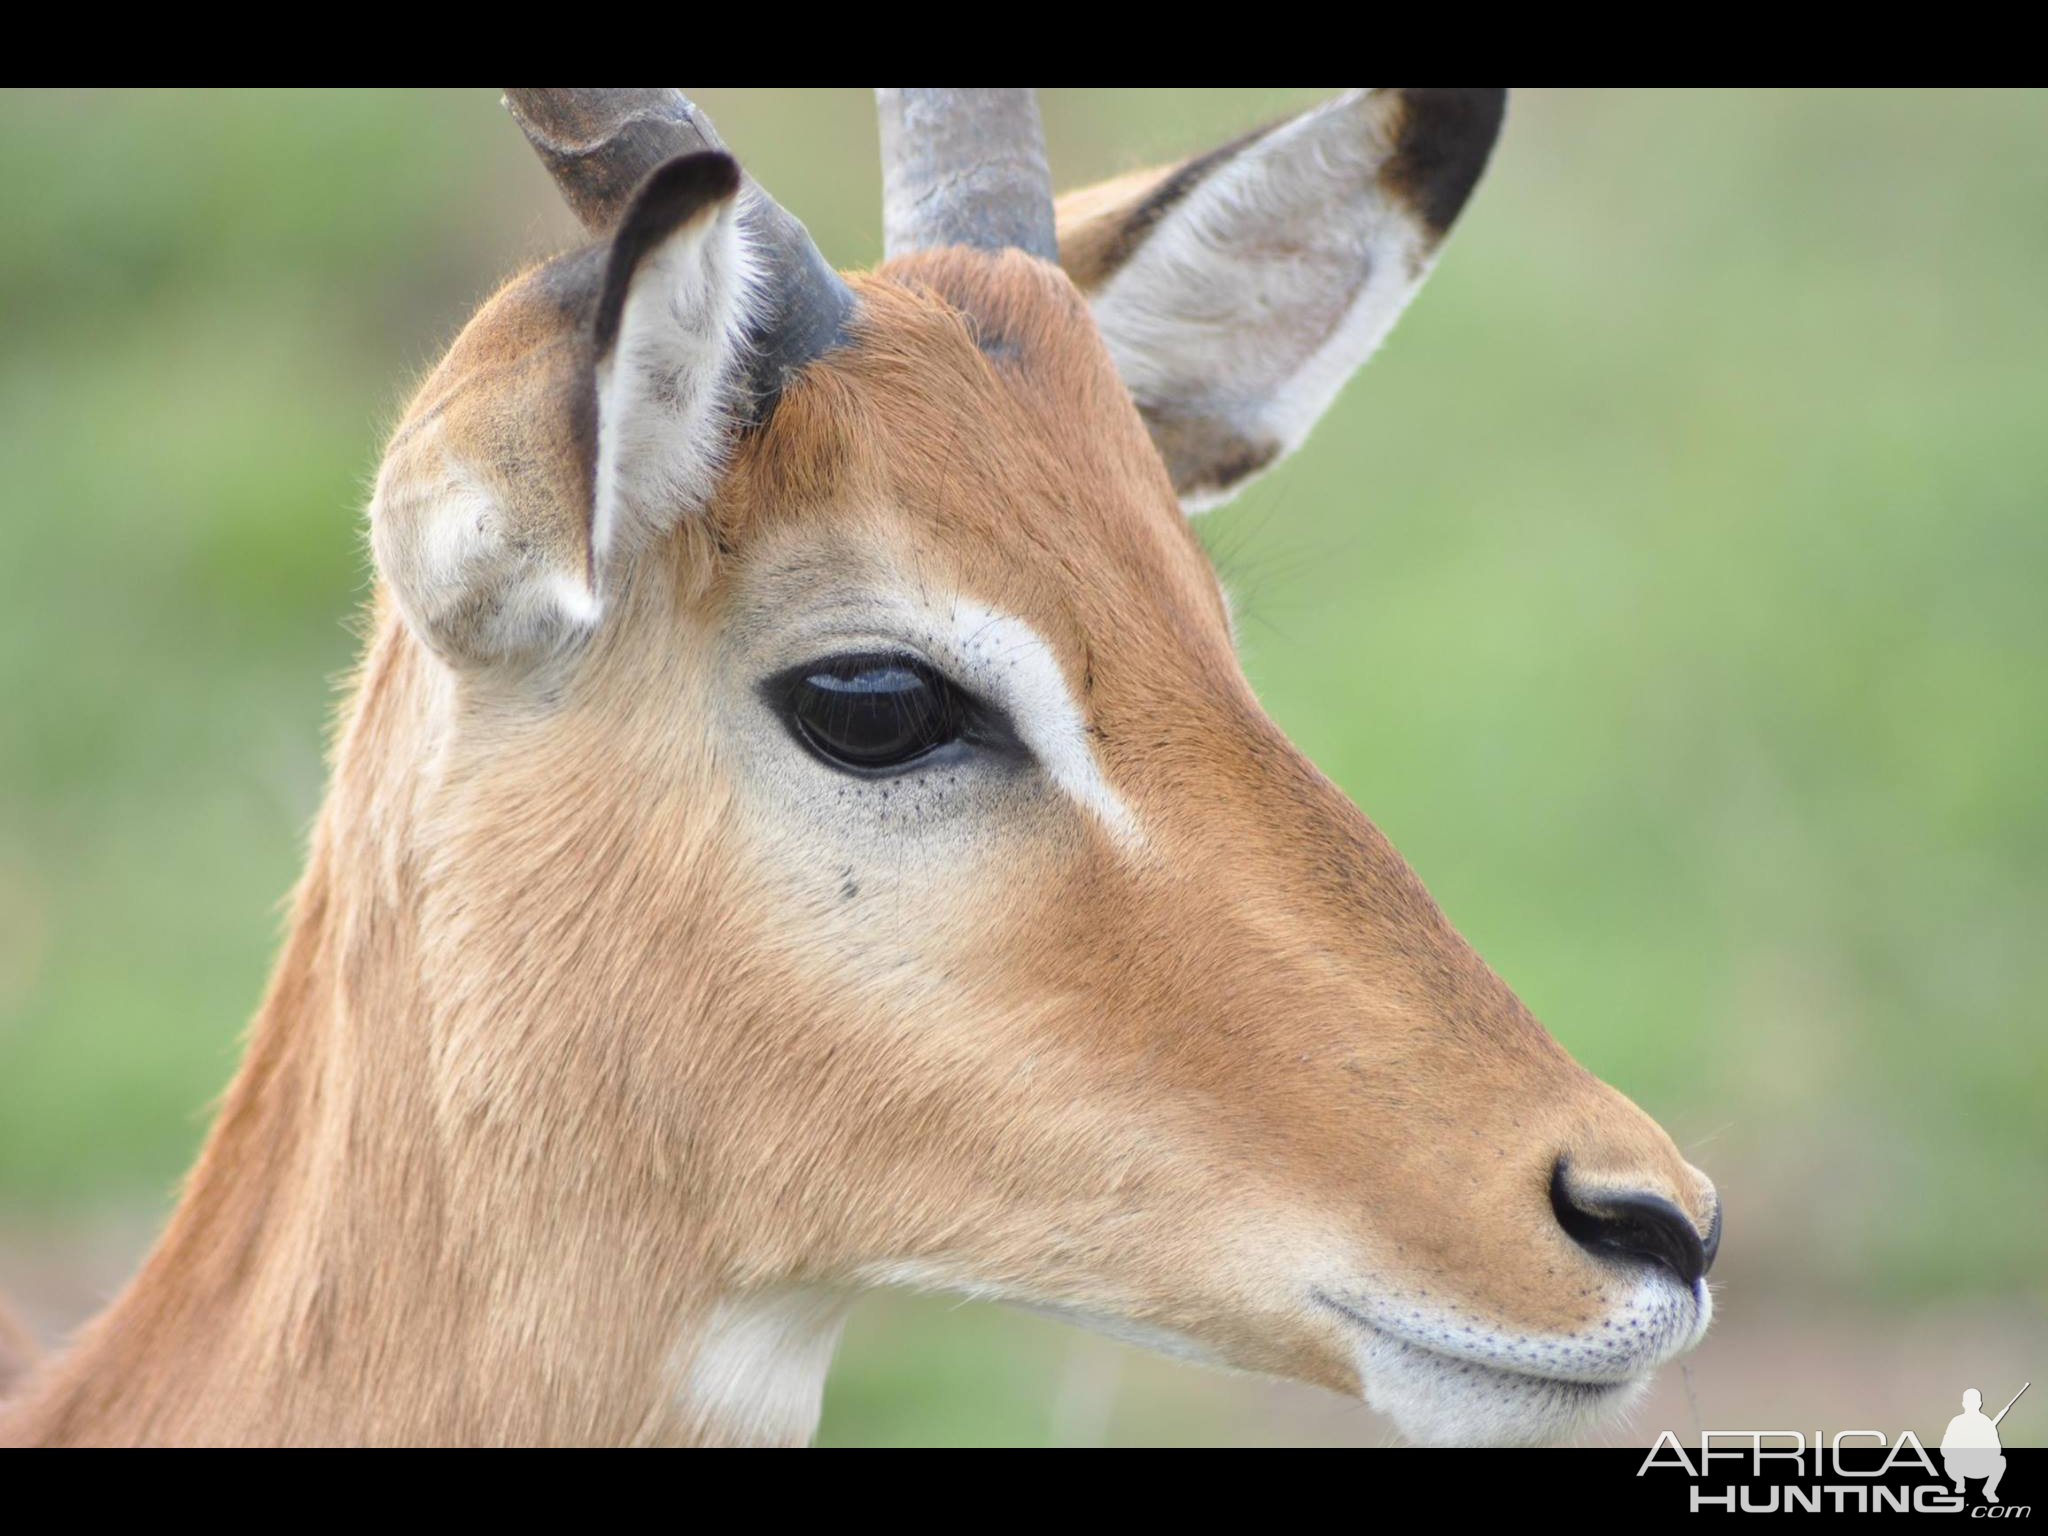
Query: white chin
x,y
1437,1400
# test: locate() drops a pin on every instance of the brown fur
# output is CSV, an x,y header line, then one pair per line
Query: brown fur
x,y
574,1043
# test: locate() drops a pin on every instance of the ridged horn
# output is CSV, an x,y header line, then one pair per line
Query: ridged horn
x,y
964,167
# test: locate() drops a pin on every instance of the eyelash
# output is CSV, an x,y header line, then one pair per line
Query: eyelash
x,y
880,714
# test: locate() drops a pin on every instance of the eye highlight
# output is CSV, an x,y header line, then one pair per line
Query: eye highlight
x,y
872,714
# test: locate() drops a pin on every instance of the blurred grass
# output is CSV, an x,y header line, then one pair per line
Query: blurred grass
x,y
1669,589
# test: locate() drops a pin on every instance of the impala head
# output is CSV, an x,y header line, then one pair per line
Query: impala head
x,y
850,837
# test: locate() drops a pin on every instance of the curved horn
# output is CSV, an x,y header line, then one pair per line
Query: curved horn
x,y
964,167
599,144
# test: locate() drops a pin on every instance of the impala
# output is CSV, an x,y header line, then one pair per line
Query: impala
x,y
800,827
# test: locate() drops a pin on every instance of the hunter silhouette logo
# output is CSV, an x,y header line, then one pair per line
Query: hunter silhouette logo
x,y
1969,1446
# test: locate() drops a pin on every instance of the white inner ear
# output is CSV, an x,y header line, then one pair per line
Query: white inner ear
x,y
1271,282
444,539
665,391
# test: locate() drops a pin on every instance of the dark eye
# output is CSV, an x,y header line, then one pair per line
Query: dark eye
x,y
872,714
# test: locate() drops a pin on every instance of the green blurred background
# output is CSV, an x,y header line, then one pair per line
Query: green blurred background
x,y
1670,589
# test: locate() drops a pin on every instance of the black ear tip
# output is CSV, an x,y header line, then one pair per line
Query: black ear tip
x,y
674,193
678,188
1446,135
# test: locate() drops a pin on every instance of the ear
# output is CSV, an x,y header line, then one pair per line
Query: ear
x,y
668,335
1239,290
582,414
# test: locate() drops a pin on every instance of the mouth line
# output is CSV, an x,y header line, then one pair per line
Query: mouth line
x,y
1576,1388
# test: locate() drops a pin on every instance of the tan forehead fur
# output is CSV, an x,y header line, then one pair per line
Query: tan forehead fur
x,y
978,402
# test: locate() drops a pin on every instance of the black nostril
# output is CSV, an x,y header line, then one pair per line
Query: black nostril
x,y
1633,1227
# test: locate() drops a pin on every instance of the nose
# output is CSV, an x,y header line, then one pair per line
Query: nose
x,y
1635,1227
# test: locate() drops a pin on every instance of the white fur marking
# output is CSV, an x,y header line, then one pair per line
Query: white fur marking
x,y
1449,1377
1007,660
443,539
757,1373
